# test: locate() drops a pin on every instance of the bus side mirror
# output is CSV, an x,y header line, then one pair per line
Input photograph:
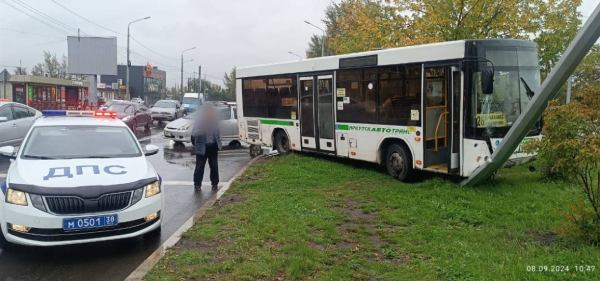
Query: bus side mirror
x,y
487,80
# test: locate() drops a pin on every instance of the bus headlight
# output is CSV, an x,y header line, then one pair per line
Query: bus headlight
x,y
152,189
16,197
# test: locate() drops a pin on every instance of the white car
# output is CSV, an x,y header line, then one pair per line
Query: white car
x,y
166,110
79,180
180,130
15,121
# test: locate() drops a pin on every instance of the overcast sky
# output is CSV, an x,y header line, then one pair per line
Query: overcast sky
x,y
227,33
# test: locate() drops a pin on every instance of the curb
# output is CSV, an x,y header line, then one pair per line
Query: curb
x,y
152,260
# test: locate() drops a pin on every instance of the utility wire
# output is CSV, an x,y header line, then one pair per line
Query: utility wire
x,y
43,43
27,32
85,19
61,30
45,16
113,31
151,50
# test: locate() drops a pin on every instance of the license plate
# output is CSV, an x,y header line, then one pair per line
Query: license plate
x,y
168,134
90,222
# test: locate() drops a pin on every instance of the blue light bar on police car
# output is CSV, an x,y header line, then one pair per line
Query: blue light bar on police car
x,y
54,113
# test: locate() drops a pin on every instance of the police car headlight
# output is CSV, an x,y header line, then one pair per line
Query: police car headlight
x,y
152,189
184,128
16,197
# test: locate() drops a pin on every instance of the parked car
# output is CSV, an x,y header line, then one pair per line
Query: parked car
x,y
166,110
15,121
133,114
180,130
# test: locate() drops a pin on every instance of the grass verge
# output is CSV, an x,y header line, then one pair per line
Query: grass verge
x,y
299,217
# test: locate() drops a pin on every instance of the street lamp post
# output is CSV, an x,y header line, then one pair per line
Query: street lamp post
x,y
322,39
182,52
129,61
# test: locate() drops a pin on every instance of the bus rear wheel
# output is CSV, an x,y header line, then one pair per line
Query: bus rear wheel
x,y
282,142
398,162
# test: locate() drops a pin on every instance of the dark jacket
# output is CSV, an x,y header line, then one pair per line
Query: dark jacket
x,y
199,142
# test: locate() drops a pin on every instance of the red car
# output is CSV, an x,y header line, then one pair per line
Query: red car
x,y
135,115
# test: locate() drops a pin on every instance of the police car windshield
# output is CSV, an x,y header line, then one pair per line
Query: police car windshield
x,y
76,142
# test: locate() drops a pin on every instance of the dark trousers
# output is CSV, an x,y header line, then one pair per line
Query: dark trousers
x,y
211,155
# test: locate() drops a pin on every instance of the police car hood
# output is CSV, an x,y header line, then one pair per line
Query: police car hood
x,y
80,172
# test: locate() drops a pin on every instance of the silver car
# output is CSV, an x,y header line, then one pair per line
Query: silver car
x,y
15,121
166,110
180,130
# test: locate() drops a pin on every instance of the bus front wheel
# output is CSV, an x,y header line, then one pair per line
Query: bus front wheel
x,y
398,162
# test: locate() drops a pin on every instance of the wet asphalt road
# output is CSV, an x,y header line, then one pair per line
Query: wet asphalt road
x,y
117,259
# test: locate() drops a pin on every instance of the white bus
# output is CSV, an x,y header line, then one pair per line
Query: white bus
x,y
441,107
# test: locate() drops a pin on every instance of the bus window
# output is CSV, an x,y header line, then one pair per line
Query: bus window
x,y
253,97
360,87
282,98
274,97
400,95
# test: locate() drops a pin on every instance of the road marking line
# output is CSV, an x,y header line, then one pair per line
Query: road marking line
x,y
2,175
140,272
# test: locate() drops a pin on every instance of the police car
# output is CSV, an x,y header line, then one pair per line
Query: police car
x,y
79,177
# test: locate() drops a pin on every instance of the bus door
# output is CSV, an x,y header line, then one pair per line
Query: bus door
x,y
316,113
441,118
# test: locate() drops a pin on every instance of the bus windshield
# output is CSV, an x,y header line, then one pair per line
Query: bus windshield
x,y
516,79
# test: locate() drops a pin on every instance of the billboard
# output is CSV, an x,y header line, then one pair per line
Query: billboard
x,y
92,55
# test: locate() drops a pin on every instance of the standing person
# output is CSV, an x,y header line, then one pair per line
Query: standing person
x,y
206,139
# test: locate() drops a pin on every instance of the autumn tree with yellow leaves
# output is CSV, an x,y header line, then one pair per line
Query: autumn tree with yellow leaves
x,y
362,25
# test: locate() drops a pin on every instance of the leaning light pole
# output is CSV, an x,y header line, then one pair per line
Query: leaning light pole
x,y
128,60
322,38
182,62
579,47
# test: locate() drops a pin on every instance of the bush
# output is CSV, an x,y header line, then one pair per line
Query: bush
x,y
571,149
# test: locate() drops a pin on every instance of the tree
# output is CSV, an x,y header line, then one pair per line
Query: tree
x,y
363,25
51,66
314,46
230,85
316,41
570,148
586,85
212,92
20,70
